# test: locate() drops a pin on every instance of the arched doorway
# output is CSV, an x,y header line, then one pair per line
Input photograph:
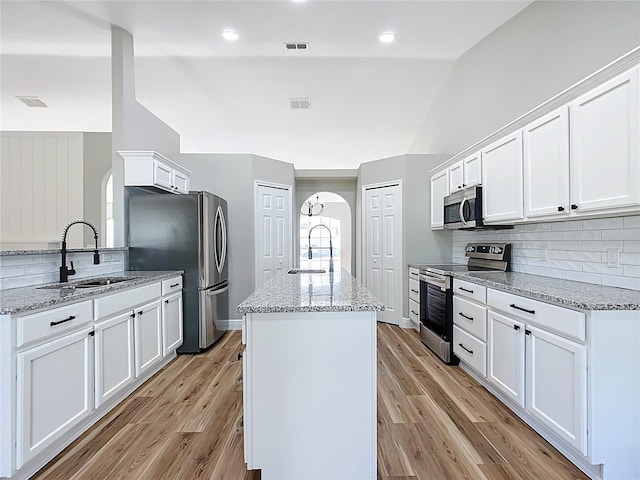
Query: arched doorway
x,y
332,211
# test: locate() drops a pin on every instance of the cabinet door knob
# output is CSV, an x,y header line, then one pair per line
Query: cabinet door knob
x,y
561,209
574,206
464,184
516,327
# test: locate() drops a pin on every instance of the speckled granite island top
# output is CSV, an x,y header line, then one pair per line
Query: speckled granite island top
x,y
24,299
585,296
318,292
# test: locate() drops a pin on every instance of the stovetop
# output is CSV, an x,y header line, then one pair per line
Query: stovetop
x,y
456,268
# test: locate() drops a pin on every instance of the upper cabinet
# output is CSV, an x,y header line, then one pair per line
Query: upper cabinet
x,y
546,165
465,173
439,190
150,169
605,153
502,179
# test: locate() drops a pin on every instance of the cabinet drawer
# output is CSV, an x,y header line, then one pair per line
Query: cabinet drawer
x,y
470,317
50,323
414,273
414,312
118,302
560,320
171,285
414,290
470,350
470,290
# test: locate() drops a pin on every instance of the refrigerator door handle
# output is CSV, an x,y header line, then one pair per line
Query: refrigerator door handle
x,y
221,224
204,239
211,292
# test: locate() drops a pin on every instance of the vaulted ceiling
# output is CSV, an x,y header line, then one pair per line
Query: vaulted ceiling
x,y
368,99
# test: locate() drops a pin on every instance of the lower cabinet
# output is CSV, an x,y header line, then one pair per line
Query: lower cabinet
x,y
171,323
148,336
114,356
542,372
506,357
54,391
557,385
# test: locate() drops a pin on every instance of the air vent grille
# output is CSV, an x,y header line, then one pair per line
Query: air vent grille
x,y
32,101
300,103
296,46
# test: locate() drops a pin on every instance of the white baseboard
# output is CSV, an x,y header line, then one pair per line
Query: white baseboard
x,y
408,323
232,324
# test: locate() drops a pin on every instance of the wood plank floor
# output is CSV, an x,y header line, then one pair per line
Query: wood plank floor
x,y
434,423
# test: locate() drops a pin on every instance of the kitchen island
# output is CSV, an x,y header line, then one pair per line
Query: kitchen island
x,y
309,378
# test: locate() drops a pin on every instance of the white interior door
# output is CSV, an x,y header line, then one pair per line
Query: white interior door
x,y
383,244
273,231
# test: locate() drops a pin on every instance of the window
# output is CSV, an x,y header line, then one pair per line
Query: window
x,y
320,242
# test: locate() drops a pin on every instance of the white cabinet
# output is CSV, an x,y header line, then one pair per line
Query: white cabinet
x,y
439,190
414,297
114,366
557,385
148,336
605,145
171,323
470,325
506,356
546,165
456,177
502,190
150,169
465,173
54,392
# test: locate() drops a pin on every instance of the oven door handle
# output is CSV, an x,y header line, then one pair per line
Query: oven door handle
x,y
425,277
462,219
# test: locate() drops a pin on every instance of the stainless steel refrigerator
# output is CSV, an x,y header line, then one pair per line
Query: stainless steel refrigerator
x,y
186,232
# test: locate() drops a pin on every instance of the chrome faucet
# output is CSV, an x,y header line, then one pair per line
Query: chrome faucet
x,y
66,272
330,245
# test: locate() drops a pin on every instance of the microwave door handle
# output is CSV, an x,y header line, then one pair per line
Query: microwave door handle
x,y
462,219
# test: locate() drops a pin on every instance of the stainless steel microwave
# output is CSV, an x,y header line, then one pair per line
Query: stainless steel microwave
x,y
463,209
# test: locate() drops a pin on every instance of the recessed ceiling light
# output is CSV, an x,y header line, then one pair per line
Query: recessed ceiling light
x,y
387,37
230,35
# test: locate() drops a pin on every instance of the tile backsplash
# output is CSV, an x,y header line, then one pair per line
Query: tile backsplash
x,y
36,269
574,250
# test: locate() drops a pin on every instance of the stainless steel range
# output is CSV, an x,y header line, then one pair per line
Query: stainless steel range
x,y
436,294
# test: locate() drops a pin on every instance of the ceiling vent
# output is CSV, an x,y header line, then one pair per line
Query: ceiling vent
x,y
32,101
300,103
296,46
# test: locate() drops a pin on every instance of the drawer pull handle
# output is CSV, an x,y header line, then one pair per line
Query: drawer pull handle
x,y
414,312
464,316
140,312
174,285
527,332
414,290
465,290
466,349
414,273
516,327
513,305
53,324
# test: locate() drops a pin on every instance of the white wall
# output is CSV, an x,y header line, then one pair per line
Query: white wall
x,y
576,250
134,127
544,49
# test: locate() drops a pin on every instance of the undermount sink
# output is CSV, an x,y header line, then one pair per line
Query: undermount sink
x,y
305,270
90,283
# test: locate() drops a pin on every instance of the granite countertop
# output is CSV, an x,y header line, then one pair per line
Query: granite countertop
x,y
326,292
57,250
569,293
24,299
